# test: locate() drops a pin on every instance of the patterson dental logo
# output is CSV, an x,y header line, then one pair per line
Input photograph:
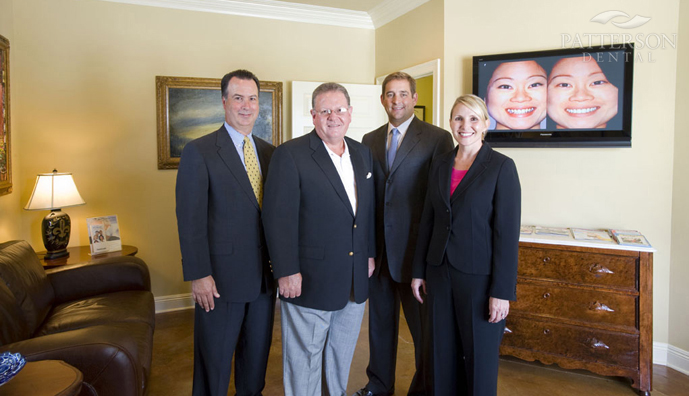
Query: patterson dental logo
x,y
622,20
607,16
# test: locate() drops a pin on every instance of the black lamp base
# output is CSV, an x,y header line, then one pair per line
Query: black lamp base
x,y
55,255
56,227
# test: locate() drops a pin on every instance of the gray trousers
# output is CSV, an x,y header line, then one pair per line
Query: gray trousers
x,y
312,338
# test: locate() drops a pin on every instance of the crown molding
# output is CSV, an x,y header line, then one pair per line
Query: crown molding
x,y
270,9
390,10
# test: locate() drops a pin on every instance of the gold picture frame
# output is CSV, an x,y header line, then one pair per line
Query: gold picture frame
x,y
5,147
189,107
420,112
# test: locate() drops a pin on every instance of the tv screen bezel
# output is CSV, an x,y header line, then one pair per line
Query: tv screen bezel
x,y
572,137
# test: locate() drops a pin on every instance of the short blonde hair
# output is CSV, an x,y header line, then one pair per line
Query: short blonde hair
x,y
475,104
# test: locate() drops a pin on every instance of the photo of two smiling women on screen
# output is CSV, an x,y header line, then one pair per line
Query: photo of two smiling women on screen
x,y
554,92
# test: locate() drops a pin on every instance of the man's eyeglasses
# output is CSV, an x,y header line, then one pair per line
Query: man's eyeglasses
x,y
340,111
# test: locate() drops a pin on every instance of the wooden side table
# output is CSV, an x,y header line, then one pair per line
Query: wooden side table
x,y
45,378
82,255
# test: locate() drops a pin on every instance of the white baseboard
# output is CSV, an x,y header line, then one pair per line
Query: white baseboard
x,y
678,359
660,353
671,356
174,302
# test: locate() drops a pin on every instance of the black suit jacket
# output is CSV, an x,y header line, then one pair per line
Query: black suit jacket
x,y
400,192
310,226
477,228
219,219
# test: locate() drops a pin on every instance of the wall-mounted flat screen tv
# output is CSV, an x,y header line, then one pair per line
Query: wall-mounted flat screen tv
x,y
559,98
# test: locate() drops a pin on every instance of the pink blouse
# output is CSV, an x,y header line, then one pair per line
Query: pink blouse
x,y
457,176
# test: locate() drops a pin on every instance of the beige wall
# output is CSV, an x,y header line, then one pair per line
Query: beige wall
x,y
10,206
412,39
679,269
84,75
604,187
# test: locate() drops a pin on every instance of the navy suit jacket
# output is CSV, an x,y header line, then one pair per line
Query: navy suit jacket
x,y
400,192
219,219
477,228
310,225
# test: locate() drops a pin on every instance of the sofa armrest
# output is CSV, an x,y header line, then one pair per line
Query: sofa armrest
x,y
114,358
104,276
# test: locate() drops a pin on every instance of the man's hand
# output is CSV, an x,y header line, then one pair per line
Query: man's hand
x,y
371,266
416,286
290,286
203,290
497,309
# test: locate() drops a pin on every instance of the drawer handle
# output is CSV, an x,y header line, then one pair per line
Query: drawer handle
x,y
595,344
598,306
546,331
599,269
546,295
546,260
507,330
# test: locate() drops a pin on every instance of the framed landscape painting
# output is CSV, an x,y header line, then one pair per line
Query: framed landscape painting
x,y
188,108
5,158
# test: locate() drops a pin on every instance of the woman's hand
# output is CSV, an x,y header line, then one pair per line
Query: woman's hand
x,y
416,286
497,309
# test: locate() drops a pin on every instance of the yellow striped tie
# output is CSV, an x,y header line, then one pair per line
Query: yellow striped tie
x,y
252,169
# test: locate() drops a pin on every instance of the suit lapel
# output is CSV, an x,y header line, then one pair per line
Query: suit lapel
x,y
228,153
411,138
444,173
262,158
359,171
322,158
379,147
476,169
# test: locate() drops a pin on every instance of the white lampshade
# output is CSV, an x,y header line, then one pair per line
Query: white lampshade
x,y
54,191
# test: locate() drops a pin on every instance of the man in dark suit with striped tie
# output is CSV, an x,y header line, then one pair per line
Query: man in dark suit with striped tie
x,y
402,153
219,196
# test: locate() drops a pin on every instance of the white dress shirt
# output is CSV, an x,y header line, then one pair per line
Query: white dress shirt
x,y
344,167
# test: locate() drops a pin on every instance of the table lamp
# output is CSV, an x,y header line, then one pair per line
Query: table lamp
x,y
54,191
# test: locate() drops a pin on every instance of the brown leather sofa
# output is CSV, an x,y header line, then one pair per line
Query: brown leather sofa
x,y
97,317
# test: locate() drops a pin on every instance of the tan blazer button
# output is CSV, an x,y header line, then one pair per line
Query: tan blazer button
x,y
351,253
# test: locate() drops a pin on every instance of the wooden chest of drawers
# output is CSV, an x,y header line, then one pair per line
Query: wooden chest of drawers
x,y
584,308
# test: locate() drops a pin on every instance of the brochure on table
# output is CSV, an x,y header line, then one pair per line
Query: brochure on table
x,y
600,238
104,234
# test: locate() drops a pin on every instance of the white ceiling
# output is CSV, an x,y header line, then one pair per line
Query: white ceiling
x,y
363,14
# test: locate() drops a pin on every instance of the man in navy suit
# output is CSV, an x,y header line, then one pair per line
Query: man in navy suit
x,y
402,153
219,193
319,221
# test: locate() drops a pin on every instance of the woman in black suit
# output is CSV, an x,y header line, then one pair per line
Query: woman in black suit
x,y
466,256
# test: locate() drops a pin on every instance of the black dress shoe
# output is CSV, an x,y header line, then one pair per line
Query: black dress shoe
x,y
363,392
